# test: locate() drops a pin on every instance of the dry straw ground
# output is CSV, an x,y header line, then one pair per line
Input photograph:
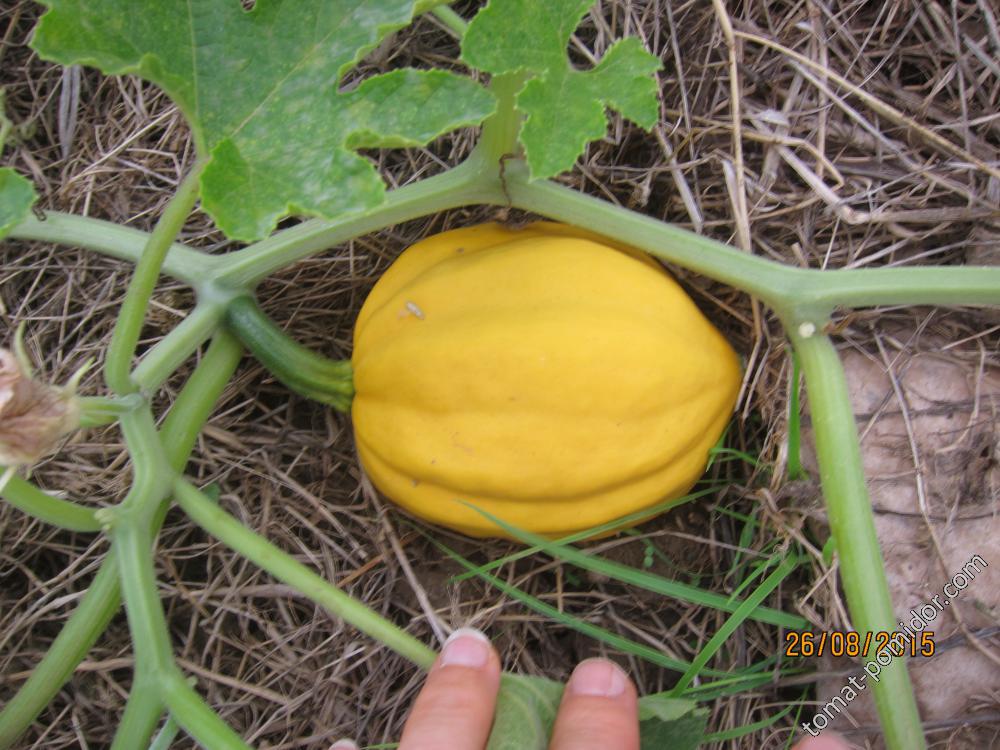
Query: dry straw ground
x,y
823,134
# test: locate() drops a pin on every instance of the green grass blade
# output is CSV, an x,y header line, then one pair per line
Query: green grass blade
x,y
612,639
617,524
647,581
743,731
735,620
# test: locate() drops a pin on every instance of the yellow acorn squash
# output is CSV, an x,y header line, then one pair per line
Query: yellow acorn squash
x,y
539,374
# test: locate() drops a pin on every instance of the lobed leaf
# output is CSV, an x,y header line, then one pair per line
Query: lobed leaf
x,y
564,107
259,89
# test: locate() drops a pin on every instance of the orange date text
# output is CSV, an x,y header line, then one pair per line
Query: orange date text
x,y
853,644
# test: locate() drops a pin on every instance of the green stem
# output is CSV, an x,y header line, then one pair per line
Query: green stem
x,y
499,139
118,360
285,568
114,240
853,526
132,538
797,294
819,291
300,369
424,6
452,21
97,411
198,397
164,739
693,251
143,710
163,359
794,461
152,473
198,719
929,285
147,623
76,638
27,498
464,185
155,668
157,679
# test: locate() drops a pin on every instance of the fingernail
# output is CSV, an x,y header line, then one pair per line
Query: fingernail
x,y
344,745
466,647
597,677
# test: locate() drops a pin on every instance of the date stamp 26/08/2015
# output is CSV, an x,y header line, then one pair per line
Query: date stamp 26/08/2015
x,y
853,644
912,639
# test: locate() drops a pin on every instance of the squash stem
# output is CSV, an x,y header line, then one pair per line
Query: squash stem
x,y
451,20
302,370
163,359
794,461
853,527
499,140
118,360
464,185
65,514
287,569
798,294
113,240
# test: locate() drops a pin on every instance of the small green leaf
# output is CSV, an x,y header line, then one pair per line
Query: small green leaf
x,y
17,195
527,707
259,89
564,107
525,712
674,723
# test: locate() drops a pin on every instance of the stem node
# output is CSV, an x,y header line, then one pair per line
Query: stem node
x,y
107,517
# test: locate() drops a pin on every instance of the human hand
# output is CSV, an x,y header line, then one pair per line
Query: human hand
x,y
599,708
455,707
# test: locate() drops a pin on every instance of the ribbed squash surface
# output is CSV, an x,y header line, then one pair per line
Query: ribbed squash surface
x,y
552,380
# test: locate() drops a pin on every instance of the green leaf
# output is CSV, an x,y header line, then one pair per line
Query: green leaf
x,y
16,198
527,707
525,712
674,723
259,90
564,107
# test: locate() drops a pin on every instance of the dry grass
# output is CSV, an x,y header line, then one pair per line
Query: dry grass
x,y
819,134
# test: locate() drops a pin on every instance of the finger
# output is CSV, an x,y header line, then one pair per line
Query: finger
x,y
599,710
455,706
825,741
344,744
